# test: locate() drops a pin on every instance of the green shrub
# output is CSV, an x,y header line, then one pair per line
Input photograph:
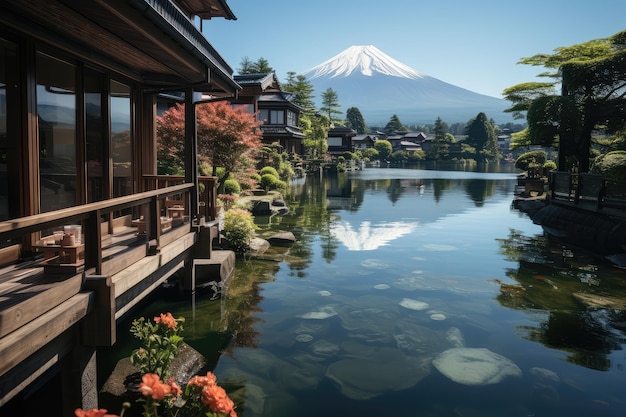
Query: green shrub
x,y
269,170
239,228
256,177
612,166
271,182
530,161
231,187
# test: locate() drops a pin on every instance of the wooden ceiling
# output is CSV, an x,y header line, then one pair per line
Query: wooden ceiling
x,y
156,46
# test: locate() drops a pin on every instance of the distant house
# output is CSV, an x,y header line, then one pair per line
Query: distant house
x,y
410,141
261,93
340,140
360,142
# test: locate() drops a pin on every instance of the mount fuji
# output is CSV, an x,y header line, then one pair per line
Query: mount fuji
x,y
381,86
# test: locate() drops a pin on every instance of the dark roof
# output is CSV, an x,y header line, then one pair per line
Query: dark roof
x,y
261,80
150,41
207,9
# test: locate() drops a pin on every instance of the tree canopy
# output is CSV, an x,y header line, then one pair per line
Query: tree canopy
x,y
302,89
482,136
330,105
592,81
225,135
440,146
355,120
261,66
394,125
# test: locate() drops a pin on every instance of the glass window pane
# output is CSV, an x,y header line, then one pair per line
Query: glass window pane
x,y
121,139
94,130
56,108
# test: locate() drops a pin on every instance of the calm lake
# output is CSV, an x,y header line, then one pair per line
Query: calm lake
x,y
411,292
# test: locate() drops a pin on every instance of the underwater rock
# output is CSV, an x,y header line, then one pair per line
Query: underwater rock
x,y
544,375
386,370
413,304
325,348
282,239
475,366
381,286
437,316
323,313
324,293
455,337
304,338
374,263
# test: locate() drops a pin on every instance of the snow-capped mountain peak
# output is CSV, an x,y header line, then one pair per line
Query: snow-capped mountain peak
x,y
364,58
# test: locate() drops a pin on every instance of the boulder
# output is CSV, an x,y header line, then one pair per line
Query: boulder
x,y
282,239
475,366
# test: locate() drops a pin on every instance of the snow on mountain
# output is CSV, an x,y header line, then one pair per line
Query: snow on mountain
x,y
365,58
381,86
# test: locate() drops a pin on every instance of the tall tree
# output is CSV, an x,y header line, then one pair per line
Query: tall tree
x,y
440,146
261,66
355,120
482,136
303,90
592,79
394,125
225,136
315,129
330,105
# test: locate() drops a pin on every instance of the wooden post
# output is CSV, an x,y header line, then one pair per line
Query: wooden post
x,y
79,380
191,151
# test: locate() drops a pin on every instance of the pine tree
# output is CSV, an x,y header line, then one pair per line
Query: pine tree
x,y
355,121
394,125
482,136
303,90
330,105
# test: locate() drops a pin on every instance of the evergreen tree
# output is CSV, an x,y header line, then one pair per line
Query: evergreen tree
x,y
440,146
394,125
355,121
303,90
330,105
261,66
482,136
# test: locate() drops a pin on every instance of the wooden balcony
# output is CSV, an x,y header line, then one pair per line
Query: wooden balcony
x,y
55,296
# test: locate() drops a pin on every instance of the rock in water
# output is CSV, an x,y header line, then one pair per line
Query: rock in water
x,y
475,366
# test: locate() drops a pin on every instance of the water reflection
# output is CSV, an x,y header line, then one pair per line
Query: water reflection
x,y
584,299
449,268
368,236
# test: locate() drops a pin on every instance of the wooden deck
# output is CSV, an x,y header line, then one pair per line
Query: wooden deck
x,y
53,319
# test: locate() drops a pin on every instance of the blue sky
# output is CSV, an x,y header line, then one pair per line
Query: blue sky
x,y
472,44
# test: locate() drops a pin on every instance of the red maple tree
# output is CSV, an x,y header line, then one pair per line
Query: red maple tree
x,y
225,136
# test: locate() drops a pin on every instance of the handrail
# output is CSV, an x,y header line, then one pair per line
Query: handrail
x,y
23,225
586,187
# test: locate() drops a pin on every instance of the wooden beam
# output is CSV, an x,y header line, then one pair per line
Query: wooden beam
x,y
28,339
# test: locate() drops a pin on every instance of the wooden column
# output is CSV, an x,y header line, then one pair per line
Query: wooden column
x,y
191,151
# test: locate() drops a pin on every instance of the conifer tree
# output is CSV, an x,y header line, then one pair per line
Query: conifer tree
x,y
355,121
330,105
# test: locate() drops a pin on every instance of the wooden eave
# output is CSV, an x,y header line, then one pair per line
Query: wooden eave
x,y
207,9
150,41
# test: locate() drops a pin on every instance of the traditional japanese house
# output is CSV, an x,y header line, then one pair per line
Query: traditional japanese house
x,y
87,228
261,93
340,140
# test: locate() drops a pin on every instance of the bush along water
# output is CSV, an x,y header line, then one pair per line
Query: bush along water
x,y
160,394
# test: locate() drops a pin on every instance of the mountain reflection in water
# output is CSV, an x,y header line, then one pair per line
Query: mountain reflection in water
x,y
394,267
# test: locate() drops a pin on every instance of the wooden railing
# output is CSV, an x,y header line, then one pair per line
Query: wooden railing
x,y
96,220
207,195
588,190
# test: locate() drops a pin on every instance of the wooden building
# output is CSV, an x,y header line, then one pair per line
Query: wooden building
x,y
261,94
87,228
340,140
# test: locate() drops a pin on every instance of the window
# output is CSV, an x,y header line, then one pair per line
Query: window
x,y
291,118
272,117
121,139
334,141
9,125
56,108
95,137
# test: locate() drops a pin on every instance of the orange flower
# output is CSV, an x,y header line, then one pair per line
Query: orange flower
x,y
79,412
152,386
203,381
217,400
174,388
167,319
